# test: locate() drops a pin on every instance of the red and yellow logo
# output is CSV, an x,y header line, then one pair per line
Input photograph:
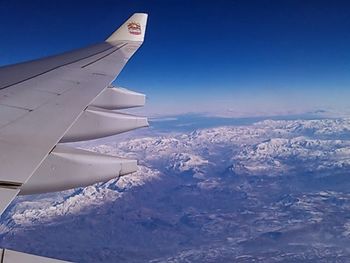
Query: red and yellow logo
x,y
134,28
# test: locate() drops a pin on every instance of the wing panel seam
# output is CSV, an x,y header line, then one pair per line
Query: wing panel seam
x,y
54,68
110,53
16,107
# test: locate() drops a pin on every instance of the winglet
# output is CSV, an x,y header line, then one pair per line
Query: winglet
x,y
132,30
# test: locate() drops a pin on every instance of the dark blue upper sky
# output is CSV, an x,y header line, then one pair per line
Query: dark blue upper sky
x,y
248,57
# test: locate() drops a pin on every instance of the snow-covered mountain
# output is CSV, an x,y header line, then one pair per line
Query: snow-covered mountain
x,y
267,147
236,163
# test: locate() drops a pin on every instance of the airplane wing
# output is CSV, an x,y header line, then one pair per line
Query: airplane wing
x,y
66,98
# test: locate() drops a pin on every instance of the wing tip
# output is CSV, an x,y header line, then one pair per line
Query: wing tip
x,y
132,30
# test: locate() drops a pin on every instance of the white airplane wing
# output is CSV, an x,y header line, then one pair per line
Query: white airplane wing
x,y
66,98
11,256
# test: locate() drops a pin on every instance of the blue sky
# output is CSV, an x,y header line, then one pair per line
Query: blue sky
x,y
241,57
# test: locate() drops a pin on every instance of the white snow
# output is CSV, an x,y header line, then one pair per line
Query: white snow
x,y
267,147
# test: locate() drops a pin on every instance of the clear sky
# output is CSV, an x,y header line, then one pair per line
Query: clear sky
x,y
242,57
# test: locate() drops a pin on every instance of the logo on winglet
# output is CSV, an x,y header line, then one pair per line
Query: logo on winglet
x,y
134,28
